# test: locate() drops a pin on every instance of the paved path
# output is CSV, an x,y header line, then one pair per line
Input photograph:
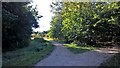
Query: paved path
x,y
61,56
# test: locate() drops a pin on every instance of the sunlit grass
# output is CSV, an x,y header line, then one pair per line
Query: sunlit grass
x,y
78,48
48,39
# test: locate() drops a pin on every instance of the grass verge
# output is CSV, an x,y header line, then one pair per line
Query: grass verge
x,y
27,56
113,62
78,49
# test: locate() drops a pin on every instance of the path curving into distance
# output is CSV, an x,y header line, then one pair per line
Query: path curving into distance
x,y
61,56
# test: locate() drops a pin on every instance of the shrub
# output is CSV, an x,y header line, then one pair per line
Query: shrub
x,y
41,40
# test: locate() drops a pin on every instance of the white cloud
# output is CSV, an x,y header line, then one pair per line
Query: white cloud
x,y
43,7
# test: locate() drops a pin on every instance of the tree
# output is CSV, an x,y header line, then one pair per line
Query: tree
x,y
93,23
56,23
18,20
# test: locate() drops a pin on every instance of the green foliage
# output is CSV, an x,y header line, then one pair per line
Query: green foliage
x,y
93,23
56,23
17,22
40,40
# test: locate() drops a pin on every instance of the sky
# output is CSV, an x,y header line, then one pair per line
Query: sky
x,y
43,7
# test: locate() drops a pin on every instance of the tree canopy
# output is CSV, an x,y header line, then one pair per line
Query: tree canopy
x,y
17,20
92,23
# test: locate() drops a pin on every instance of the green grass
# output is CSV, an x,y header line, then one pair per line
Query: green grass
x,y
28,56
113,61
60,41
78,49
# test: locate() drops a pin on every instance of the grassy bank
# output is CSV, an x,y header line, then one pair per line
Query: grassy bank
x,y
28,56
113,61
78,49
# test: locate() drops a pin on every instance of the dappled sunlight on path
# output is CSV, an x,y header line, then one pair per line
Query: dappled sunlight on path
x,y
108,50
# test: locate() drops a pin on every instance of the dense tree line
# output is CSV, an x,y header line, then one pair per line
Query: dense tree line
x,y
92,23
18,18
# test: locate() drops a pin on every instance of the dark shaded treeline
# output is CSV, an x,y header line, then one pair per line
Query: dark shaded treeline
x,y
17,21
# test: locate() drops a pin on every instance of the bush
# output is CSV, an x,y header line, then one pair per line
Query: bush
x,y
41,40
